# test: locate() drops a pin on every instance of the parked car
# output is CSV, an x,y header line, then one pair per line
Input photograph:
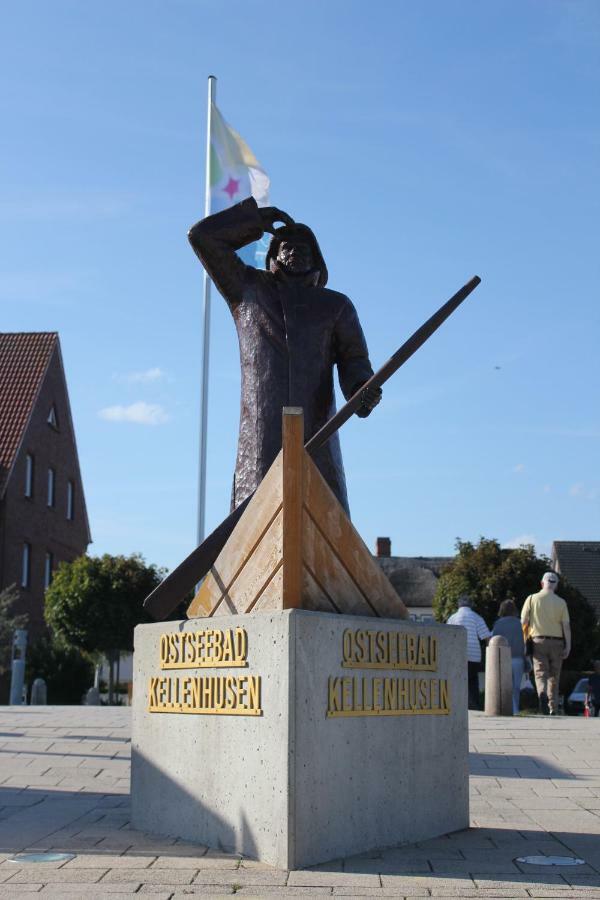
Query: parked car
x,y
576,699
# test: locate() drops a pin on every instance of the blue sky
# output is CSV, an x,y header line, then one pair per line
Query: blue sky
x,y
424,142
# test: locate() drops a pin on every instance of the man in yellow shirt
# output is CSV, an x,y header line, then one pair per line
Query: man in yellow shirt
x,y
545,618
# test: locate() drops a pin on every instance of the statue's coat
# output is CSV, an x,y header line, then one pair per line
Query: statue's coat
x,y
291,335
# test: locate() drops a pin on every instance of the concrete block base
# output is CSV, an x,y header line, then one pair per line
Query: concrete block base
x,y
298,737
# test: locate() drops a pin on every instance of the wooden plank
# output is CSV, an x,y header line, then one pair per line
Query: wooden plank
x,y
313,596
332,577
242,594
244,539
349,546
293,457
270,600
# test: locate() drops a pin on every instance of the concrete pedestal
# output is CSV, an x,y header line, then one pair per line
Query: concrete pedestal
x,y
298,737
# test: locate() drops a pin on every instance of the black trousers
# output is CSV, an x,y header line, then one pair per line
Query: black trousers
x,y
473,676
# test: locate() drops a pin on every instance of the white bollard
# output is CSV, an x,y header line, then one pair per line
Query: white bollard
x,y
17,673
39,693
498,678
92,697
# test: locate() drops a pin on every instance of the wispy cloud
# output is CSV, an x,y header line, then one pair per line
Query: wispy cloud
x,y
519,468
579,489
542,548
547,488
146,377
137,413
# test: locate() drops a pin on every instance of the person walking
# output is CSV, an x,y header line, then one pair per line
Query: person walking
x,y
477,631
508,625
592,698
546,617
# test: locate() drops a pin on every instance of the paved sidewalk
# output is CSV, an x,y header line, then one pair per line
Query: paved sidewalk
x,y
64,786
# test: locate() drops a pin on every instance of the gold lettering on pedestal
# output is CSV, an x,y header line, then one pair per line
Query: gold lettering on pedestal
x,y
204,649
368,695
226,695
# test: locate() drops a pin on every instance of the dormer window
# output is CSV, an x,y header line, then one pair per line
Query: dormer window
x,y
52,419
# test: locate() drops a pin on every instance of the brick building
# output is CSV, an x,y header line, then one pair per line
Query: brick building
x,y
43,518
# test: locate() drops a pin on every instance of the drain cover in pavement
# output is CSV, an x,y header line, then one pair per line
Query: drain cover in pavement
x,y
41,857
551,860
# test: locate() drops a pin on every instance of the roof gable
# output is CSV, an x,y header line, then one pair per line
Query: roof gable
x,y
579,562
24,359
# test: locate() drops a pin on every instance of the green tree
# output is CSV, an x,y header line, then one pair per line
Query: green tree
x,y
95,602
9,622
67,671
490,574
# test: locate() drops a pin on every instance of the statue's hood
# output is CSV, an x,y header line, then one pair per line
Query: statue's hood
x,y
306,233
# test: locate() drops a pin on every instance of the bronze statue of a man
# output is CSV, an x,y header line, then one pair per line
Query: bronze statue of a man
x,y
292,331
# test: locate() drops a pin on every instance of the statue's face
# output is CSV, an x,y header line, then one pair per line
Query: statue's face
x,y
295,257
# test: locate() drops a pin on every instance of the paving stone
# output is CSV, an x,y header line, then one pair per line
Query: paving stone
x,y
206,893
241,876
518,881
391,867
109,860
308,878
399,882
258,891
152,876
582,880
382,892
333,865
56,876
74,891
418,854
178,862
108,895
491,866
566,892
182,848
209,862
18,889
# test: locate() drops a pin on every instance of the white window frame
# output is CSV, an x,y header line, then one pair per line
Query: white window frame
x,y
29,470
51,492
70,500
26,566
48,568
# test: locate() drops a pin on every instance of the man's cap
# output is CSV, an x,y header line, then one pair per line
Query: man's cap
x,y
550,577
301,232
465,600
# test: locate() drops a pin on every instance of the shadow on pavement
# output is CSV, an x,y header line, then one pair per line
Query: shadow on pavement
x,y
481,857
514,766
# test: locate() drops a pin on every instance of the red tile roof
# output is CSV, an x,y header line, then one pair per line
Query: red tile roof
x,y
24,358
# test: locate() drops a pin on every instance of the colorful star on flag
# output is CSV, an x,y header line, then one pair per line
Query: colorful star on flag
x,y
232,187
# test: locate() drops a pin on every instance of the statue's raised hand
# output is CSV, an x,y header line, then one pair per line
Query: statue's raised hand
x,y
270,215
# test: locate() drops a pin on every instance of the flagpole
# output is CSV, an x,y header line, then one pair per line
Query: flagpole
x,y
212,93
